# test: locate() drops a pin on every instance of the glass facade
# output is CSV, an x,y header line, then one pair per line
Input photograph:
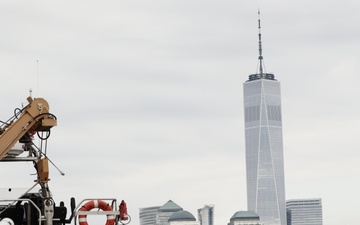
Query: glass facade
x,y
264,149
206,215
304,212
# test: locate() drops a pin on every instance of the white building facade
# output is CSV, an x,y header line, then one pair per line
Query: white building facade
x,y
304,211
148,215
206,215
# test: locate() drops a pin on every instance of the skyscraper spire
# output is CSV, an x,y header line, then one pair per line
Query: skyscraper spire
x,y
260,47
260,69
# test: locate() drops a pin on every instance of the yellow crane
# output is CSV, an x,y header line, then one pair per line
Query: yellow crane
x,y
33,118
39,208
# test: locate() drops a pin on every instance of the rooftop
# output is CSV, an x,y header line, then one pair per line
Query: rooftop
x,y
245,215
170,206
182,215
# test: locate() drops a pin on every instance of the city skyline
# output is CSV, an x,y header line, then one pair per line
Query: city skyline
x,y
157,88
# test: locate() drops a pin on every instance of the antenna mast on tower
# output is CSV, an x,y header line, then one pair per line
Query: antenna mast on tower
x,y
260,48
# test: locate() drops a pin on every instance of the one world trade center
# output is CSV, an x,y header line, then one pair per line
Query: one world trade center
x,y
264,145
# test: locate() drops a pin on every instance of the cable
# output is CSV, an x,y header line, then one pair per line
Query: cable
x,y
41,137
17,113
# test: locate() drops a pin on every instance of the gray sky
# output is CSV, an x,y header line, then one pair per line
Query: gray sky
x,y
148,96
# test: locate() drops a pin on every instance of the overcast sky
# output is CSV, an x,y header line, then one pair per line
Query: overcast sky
x,y
149,98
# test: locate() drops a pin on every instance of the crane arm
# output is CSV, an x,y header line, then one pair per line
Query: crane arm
x,y
34,117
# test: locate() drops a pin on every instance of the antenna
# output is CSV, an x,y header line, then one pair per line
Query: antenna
x,y
260,47
37,71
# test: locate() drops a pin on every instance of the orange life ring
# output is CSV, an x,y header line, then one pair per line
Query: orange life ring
x,y
96,204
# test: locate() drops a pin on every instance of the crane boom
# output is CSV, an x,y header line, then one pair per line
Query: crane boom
x,y
39,208
34,117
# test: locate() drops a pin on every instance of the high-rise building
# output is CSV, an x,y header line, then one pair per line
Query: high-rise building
x,y
264,145
148,215
206,215
304,211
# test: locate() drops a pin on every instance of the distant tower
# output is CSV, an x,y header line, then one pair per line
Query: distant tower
x,y
264,145
304,211
206,215
148,215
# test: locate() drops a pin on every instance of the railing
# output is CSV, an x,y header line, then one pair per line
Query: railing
x,y
115,211
41,218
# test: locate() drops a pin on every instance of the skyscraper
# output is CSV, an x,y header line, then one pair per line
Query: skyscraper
x,y
304,211
206,215
264,145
